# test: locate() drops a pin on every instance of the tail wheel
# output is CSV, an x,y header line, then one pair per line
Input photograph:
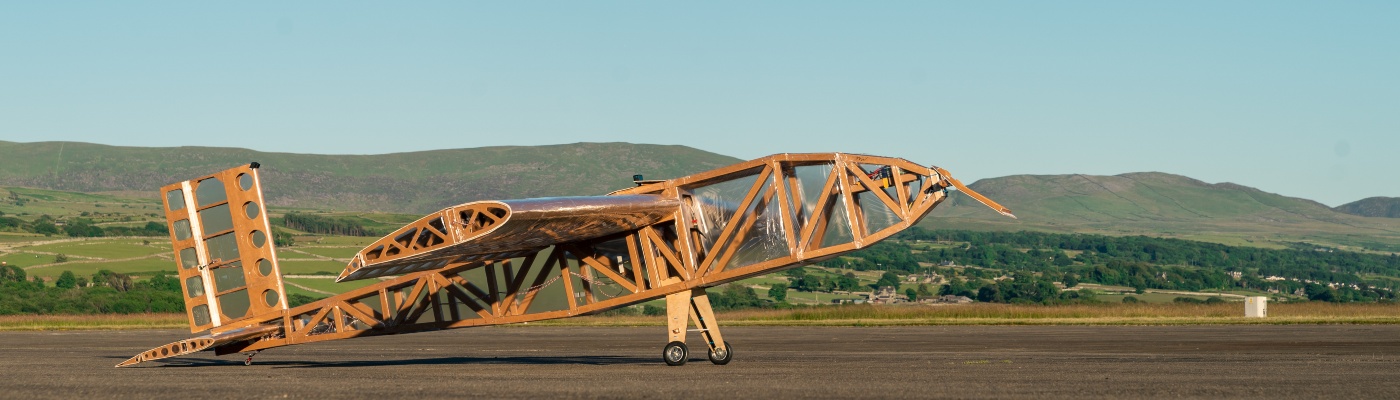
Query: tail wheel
x,y
721,357
675,353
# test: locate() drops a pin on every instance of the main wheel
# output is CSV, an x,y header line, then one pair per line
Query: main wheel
x,y
722,357
675,353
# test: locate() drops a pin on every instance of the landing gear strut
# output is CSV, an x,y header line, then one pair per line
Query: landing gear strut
x,y
694,304
249,360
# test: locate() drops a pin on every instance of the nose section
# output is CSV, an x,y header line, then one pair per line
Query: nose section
x,y
946,179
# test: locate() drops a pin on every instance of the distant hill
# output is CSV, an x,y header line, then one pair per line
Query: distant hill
x,y
1160,204
416,182
1383,207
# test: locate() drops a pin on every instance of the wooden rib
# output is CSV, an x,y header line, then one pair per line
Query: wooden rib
x,y
638,270
384,304
427,303
436,300
359,314
857,229
317,318
493,289
457,293
666,252
412,299
592,262
338,318
567,274
879,193
654,266
586,282
901,189
516,284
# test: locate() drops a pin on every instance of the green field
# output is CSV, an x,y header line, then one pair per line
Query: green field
x,y
299,267
357,242
344,253
104,248
329,285
24,260
293,254
143,267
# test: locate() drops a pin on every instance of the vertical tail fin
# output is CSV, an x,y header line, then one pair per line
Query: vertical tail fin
x,y
223,247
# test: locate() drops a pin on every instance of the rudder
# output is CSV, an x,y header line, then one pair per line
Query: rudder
x,y
223,247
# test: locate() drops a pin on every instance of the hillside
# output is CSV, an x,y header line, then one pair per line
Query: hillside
x,y
1160,204
416,182
1383,207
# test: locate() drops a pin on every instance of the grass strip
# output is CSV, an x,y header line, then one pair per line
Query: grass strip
x,y
1311,313
91,322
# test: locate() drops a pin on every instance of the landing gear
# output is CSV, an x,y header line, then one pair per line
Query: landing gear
x,y
722,356
675,353
695,305
249,360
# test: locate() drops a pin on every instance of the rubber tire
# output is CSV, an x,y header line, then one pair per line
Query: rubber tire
x,y
671,357
728,355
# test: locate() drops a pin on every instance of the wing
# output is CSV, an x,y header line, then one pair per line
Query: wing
x,y
493,230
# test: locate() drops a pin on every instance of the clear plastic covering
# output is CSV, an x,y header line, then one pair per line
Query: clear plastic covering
x,y
714,206
838,225
175,199
806,185
877,215
200,314
758,234
229,277
235,304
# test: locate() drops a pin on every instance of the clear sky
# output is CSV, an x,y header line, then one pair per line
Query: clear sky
x,y
1297,98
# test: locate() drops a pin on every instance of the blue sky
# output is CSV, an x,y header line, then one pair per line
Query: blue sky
x,y
1297,98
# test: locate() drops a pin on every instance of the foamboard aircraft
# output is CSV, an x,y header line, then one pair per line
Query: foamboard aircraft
x,y
501,262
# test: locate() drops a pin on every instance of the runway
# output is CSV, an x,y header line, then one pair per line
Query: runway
x,y
1315,361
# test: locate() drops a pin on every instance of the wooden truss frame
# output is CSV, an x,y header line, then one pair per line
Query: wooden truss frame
x,y
665,259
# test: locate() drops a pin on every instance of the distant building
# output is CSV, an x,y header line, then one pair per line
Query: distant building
x,y
887,295
951,299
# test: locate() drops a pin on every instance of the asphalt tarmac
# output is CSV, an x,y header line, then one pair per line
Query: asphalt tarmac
x,y
1310,361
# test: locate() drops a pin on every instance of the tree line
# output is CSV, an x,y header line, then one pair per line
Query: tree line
x,y
78,227
1136,261
104,292
345,226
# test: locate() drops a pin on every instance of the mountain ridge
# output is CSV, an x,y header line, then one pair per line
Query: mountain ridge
x,y
412,182
1163,204
1379,206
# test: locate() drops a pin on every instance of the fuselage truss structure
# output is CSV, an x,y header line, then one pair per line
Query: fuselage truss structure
x,y
514,261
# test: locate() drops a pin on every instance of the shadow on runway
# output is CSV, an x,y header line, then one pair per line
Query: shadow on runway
x,y
581,360
178,362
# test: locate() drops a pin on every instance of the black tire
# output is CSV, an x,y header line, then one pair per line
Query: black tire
x,y
724,356
675,353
